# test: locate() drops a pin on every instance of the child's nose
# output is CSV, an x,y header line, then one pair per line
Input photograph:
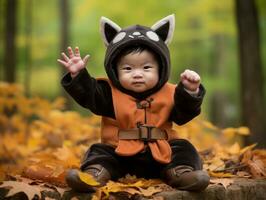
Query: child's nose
x,y
137,74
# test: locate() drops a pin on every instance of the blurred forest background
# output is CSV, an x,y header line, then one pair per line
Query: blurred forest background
x,y
224,41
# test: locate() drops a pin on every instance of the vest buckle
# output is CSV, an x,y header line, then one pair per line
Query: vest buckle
x,y
145,133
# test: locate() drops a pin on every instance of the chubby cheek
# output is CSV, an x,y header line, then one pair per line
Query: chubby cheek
x,y
153,80
124,80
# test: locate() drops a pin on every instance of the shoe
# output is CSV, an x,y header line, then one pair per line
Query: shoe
x,y
99,173
183,177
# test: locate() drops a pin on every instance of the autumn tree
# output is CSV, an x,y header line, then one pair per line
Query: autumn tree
x,y
251,73
64,36
10,35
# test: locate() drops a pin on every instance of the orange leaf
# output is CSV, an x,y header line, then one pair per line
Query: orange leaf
x,y
257,168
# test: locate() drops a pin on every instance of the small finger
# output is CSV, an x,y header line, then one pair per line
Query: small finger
x,y
85,59
77,51
196,78
62,62
65,57
70,52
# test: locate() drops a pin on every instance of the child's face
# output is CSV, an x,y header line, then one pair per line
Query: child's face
x,y
138,71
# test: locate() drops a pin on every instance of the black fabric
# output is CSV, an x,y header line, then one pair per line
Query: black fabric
x,y
163,31
90,93
96,95
110,32
159,48
141,164
186,106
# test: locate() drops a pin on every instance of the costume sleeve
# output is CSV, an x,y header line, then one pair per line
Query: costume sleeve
x,y
90,93
186,106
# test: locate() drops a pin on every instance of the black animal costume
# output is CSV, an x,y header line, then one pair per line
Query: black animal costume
x,y
96,95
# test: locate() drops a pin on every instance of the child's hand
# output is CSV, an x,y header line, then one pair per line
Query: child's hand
x,y
190,80
73,63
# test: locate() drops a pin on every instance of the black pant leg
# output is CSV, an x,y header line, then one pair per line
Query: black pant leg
x,y
184,153
104,155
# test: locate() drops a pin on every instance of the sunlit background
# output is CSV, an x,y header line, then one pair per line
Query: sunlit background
x,y
205,40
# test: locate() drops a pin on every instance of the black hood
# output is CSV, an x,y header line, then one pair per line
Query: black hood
x,y
134,36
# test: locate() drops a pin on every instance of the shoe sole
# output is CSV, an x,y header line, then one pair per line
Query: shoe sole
x,y
200,185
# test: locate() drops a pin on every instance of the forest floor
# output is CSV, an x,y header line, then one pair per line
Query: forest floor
x,y
37,147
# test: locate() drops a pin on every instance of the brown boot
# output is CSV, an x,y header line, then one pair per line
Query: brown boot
x,y
99,173
184,178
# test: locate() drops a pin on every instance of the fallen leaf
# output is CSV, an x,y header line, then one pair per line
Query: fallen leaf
x,y
243,174
222,181
221,174
87,178
17,187
243,130
150,191
256,167
216,164
247,148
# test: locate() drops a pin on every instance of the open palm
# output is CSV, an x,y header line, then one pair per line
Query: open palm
x,y
74,63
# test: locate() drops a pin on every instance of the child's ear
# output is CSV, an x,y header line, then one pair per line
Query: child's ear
x,y
165,28
108,30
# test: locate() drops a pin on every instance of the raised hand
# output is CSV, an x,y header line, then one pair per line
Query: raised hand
x,y
74,63
190,80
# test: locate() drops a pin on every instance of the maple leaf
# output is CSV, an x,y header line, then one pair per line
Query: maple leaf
x,y
17,187
223,181
257,168
150,191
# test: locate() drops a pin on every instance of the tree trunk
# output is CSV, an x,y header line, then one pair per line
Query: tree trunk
x,y
64,35
10,47
253,107
28,60
2,12
218,99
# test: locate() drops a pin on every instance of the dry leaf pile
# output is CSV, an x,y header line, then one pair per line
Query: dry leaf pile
x,y
40,140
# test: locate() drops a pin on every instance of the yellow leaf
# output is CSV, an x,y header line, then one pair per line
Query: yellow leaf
x,y
87,178
234,149
229,131
216,164
221,174
243,130
209,125
247,148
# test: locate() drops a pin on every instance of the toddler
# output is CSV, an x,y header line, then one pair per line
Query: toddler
x,y
138,107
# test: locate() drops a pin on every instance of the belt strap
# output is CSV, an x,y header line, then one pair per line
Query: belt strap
x,y
143,132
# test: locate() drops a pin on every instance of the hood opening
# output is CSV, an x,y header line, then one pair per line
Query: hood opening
x,y
160,50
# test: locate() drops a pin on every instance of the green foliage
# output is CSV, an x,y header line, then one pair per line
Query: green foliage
x,y
205,39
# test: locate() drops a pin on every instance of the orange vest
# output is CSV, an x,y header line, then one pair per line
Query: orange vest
x,y
128,115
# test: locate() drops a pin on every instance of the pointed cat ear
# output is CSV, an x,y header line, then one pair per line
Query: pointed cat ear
x,y
165,28
108,30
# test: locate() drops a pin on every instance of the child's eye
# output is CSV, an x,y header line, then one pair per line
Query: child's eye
x,y
147,67
126,68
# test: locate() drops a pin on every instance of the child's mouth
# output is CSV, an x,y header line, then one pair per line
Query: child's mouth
x,y
138,83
